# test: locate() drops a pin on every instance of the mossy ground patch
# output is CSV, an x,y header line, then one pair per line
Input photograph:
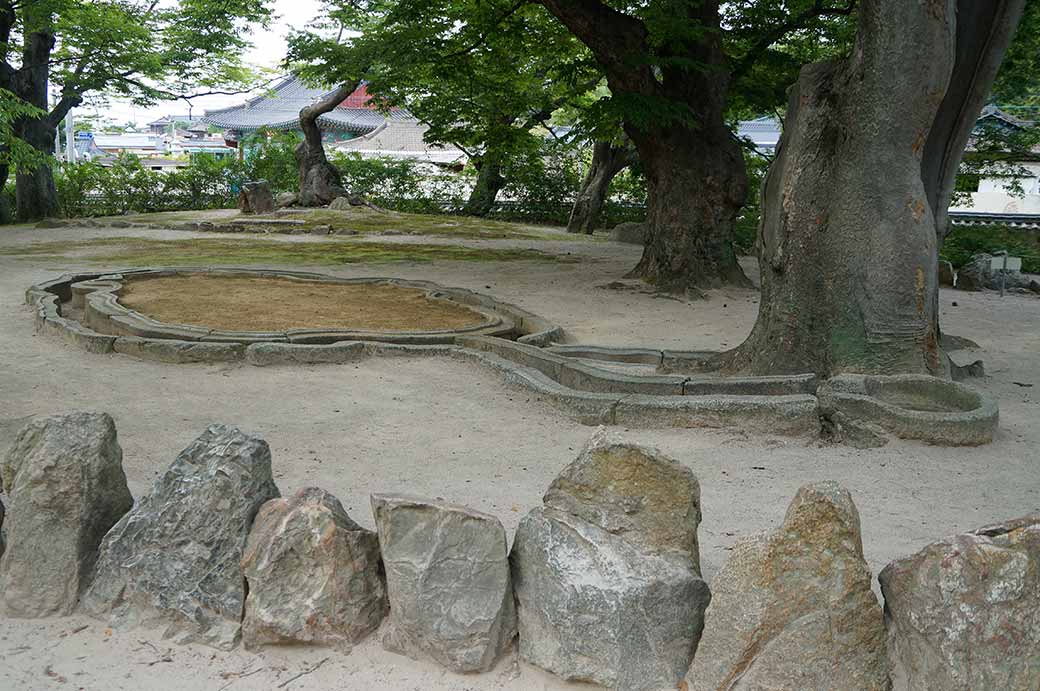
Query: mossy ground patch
x,y
130,251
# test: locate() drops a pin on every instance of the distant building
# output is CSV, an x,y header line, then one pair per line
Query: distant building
x,y
279,110
162,125
990,195
402,139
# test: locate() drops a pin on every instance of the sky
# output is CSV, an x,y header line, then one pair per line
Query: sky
x,y
268,51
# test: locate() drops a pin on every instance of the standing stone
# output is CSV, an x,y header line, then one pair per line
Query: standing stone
x,y
174,560
255,197
313,574
447,573
792,609
65,479
606,574
964,612
946,273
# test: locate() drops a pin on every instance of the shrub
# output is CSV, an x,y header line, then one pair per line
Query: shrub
x,y
964,241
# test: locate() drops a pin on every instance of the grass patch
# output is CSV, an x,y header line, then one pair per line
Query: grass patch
x,y
964,241
366,221
128,251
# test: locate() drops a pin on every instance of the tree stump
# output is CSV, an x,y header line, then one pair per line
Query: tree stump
x,y
255,198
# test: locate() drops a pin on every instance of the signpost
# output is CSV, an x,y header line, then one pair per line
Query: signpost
x,y
1003,263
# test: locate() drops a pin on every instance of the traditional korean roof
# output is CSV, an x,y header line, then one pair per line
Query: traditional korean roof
x,y
401,139
280,110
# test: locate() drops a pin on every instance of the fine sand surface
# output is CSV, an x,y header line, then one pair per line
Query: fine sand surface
x,y
445,429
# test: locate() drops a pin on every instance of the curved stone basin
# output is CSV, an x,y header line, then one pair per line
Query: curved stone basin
x,y
96,301
637,387
913,406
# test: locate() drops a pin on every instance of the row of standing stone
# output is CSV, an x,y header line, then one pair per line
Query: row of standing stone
x,y
602,584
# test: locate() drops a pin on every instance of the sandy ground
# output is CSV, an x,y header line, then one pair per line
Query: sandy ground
x,y
441,428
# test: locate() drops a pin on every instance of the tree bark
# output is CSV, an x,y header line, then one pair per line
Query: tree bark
x,y
320,181
854,200
608,159
696,186
5,210
696,177
35,194
490,182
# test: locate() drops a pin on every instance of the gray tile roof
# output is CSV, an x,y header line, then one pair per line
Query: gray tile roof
x,y
280,110
401,139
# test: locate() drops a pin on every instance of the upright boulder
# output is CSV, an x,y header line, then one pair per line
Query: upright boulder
x,y
607,574
174,560
792,609
947,275
447,573
313,574
964,612
65,479
255,197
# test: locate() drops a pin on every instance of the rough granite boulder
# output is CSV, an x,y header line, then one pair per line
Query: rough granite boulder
x,y
629,233
174,560
255,197
65,479
606,573
964,612
284,199
978,274
313,575
447,573
792,609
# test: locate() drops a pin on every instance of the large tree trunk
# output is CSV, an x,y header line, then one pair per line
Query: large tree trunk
x,y
848,238
696,177
696,185
608,159
490,182
35,194
320,181
6,215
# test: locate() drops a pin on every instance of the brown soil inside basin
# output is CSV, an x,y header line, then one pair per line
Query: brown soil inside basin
x,y
239,303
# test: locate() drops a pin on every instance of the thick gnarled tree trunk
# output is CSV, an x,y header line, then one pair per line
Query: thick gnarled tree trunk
x,y
489,183
859,188
35,194
696,177
696,184
320,181
608,159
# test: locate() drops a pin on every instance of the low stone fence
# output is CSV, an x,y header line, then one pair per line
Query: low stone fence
x,y
602,583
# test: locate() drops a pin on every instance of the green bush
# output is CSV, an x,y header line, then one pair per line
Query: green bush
x,y
269,156
964,241
90,189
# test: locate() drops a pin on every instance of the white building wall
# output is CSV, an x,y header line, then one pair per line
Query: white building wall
x,y
993,198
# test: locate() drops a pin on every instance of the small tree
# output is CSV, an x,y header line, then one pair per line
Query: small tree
x,y
133,49
481,77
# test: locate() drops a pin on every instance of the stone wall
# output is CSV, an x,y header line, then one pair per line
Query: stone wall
x,y
602,583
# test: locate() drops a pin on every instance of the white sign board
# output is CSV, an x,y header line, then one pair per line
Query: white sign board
x,y
1013,263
